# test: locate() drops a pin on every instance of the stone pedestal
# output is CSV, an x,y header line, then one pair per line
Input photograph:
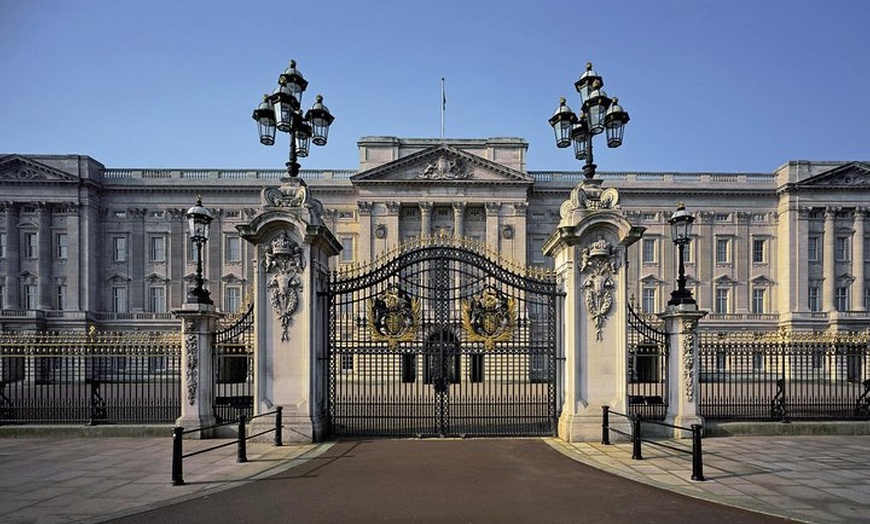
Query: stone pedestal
x,y
681,324
197,368
292,247
589,249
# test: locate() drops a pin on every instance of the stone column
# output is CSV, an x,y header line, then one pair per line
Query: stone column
x,y
197,367
44,256
138,255
492,219
365,231
391,238
425,219
681,324
520,250
829,289
459,219
858,260
13,258
74,256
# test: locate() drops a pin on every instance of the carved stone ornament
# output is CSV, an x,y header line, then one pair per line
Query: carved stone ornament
x,y
289,196
689,358
283,260
489,317
589,195
191,368
598,265
393,317
445,169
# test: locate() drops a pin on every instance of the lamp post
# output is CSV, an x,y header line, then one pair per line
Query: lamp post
x,y
198,220
681,234
281,111
598,113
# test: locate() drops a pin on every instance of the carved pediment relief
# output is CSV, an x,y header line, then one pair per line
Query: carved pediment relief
x,y
854,174
155,278
16,168
442,164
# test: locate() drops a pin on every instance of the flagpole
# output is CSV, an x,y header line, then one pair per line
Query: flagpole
x,y
443,107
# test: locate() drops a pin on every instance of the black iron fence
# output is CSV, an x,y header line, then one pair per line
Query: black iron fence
x,y
234,366
784,376
94,377
647,364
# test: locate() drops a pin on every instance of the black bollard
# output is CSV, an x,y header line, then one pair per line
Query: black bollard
x,y
279,440
605,425
697,454
635,438
243,449
177,452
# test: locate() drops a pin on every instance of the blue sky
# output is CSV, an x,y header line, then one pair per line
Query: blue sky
x,y
733,85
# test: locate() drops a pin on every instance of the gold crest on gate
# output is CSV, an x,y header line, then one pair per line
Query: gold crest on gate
x,y
393,317
489,317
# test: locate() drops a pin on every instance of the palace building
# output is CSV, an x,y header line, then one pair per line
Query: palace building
x,y
83,244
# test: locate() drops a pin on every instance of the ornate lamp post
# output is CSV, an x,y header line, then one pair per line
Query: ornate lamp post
x,y
281,111
681,234
598,113
198,220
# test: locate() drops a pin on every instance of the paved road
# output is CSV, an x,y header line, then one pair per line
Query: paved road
x,y
456,481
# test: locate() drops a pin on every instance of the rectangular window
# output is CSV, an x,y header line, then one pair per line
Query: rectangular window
x,y
866,297
842,298
758,300
721,301
648,301
2,296
157,248
61,298
758,251
232,299
61,243
2,245
813,300
723,255
757,361
119,299
649,250
119,249
234,249
157,299
813,249
841,249
30,245
31,296
347,249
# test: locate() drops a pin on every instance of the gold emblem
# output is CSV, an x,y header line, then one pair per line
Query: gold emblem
x,y
393,317
489,317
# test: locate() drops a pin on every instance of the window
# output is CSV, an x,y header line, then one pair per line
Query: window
x,y
866,297
648,300
723,248
813,249
157,299
30,245
61,243
61,297
866,249
119,299
119,249
31,296
2,296
2,245
649,250
758,300
157,248
721,305
813,300
347,249
757,361
841,298
841,249
232,299
758,251
234,249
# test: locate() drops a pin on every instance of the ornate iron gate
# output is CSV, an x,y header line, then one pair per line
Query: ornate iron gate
x,y
234,370
440,340
647,365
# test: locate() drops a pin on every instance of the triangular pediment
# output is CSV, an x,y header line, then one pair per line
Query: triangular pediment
x,y
851,175
442,164
17,168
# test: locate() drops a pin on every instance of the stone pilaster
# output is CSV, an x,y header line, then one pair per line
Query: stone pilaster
x,y
829,289
681,324
459,219
425,219
197,367
858,261
493,210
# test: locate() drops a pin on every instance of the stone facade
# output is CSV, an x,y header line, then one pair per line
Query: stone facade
x,y
84,244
